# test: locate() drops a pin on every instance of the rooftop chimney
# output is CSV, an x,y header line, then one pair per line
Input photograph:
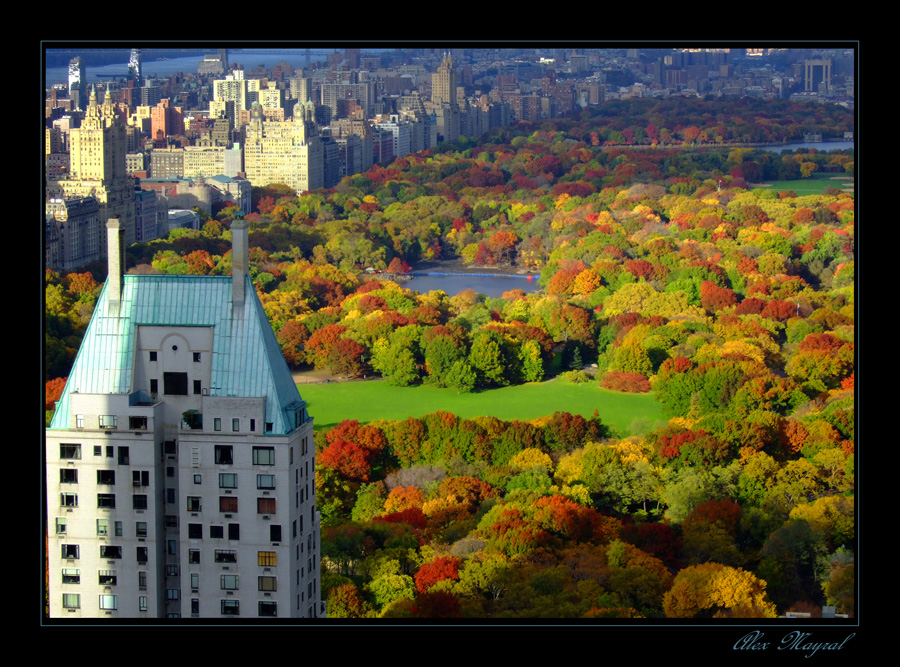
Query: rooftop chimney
x,y
115,252
240,260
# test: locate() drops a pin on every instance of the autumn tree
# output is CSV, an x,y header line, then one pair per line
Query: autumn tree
x,y
715,590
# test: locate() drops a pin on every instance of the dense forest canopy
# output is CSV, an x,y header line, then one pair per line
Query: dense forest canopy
x,y
666,262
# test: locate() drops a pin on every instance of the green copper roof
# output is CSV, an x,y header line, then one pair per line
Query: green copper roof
x,y
246,357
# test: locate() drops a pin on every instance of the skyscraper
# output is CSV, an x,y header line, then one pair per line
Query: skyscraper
x,y
180,458
77,83
443,99
97,164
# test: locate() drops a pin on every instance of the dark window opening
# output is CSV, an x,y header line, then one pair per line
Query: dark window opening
x,y
175,384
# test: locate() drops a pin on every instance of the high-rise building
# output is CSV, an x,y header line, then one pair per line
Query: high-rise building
x,y
288,152
97,165
444,100
134,67
77,83
180,458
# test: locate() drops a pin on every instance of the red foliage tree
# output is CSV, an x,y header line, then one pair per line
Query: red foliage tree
x,y
713,298
351,461
439,604
439,569
628,382
412,516
53,391
725,512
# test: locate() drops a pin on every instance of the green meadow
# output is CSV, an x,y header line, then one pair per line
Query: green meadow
x,y
367,401
814,185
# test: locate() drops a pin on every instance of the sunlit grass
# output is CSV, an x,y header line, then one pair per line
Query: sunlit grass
x,y
367,401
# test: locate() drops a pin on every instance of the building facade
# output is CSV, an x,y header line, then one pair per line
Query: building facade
x,y
180,460
288,152
97,165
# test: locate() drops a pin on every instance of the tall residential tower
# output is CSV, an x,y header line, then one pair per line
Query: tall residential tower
x,y
180,460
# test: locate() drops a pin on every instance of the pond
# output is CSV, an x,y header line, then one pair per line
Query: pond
x,y
491,284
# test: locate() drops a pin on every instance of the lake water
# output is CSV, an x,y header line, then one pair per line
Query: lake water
x,y
492,285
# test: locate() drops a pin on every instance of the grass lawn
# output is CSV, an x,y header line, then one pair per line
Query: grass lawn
x,y
815,185
366,401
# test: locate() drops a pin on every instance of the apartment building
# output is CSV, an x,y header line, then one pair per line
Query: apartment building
x,y
180,464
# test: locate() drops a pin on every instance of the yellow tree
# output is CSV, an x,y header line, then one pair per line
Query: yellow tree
x,y
720,591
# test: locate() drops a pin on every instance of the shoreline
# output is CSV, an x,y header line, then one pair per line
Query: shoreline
x,y
458,266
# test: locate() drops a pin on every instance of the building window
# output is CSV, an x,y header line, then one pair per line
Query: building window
x,y
108,421
142,603
229,582
123,456
265,506
117,527
108,602
61,526
142,553
195,605
107,551
107,500
170,471
224,454
267,583
217,532
196,356
79,421
193,504
268,608
172,594
228,504
68,500
231,607
154,386
225,556
69,451
264,456
217,424
170,495
71,576
68,476
139,502
234,531
137,423
71,600
171,521
98,450
265,481
70,551
106,577
195,531
235,424
198,479
142,578
275,533
227,480
195,581
140,478
267,558
253,425
106,477
152,355
194,556
175,384
197,389
102,527
140,529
